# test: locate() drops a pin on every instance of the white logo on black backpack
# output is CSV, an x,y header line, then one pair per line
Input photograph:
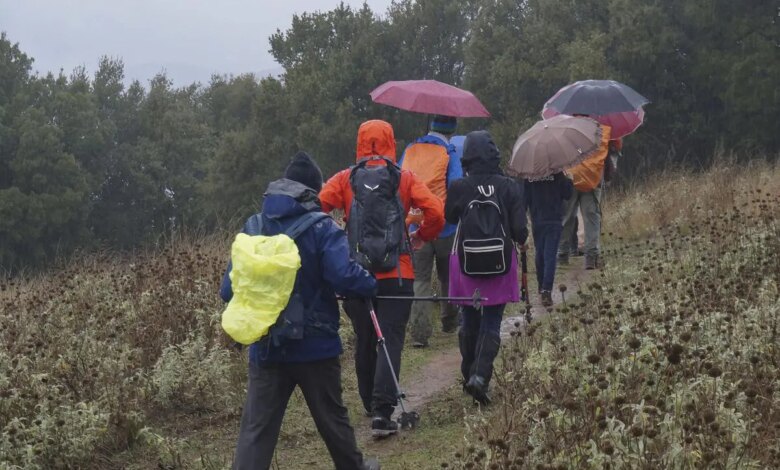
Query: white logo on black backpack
x,y
371,188
487,193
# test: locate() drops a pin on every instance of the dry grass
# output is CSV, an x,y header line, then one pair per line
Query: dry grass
x,y
670,359
120,360
679,196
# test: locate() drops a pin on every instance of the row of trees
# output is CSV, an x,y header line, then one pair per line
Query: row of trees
x,y
86,161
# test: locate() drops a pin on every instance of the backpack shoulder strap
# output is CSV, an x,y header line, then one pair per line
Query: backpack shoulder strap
x,y
303,223
357,166
392,168
254,225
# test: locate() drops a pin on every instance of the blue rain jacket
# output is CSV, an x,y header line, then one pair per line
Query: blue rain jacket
x,y
326,269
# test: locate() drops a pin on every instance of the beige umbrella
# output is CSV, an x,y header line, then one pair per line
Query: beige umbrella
x,y
554,145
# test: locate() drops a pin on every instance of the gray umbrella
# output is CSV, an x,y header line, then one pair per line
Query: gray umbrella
x,y
553,145
596,98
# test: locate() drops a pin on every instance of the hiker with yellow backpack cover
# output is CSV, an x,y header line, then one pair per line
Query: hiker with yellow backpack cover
x,y
286,268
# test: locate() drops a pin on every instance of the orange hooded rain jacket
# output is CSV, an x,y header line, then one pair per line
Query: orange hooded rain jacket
x,y
587,175
376,138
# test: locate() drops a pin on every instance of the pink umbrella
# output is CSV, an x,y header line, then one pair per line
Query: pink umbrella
x,y
429,97
622,124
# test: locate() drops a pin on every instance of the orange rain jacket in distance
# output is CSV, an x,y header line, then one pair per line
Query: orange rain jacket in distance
x,y
376,137
587,175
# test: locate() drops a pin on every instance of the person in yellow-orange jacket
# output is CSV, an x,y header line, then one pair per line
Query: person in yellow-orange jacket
x,y
588,178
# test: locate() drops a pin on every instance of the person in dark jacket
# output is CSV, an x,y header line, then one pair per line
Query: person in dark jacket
x,y
544,199
311,363
479,335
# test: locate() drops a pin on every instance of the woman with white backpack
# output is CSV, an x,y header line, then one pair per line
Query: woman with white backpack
x,y
489,210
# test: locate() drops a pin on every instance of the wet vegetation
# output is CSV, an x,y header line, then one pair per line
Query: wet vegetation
x,y
668,358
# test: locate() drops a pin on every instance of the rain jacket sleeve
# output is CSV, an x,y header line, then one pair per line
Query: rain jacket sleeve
x,y
346,277
565,186
432,207
332,193
454,207
516,207
226,289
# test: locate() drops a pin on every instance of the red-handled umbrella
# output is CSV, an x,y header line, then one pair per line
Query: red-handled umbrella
x,y
429,97
607,101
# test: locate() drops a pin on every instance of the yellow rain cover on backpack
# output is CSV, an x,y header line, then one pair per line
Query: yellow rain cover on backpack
x,y
263,276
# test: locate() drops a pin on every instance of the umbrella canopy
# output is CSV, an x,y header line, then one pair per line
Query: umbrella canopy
x,y
622,124
609,102
429,97
553,145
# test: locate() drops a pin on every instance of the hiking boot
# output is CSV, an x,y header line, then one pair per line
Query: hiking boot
x,y
591,262
547,300
383,427
477,387
488,345
371,464
563,259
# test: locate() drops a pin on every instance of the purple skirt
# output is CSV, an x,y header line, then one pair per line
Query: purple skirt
x,y
498,290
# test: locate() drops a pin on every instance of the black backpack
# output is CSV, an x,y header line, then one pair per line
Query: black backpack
x,y
482,241
376,227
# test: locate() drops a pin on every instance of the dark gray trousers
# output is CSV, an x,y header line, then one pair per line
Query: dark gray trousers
x,y
270,387
437,251
375,382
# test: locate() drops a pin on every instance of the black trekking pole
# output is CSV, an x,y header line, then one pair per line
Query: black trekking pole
x,y
476,299
524,294
408,419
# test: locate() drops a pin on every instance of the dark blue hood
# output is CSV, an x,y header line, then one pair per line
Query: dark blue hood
x,y
286,198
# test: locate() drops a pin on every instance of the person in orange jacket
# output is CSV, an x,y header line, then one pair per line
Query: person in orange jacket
x,y
588,178
376,197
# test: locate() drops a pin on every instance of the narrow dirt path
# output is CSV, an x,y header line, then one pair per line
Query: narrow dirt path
x,y
442,369
573,276
439,372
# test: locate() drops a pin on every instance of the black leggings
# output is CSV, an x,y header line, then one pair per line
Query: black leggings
x,y
375,384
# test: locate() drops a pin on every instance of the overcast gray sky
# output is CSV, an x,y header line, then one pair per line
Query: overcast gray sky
x,y
190,39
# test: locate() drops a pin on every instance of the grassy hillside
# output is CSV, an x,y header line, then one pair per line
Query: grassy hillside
x,y
667,358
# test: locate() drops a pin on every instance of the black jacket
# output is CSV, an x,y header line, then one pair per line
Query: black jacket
x,y
544,198
480,162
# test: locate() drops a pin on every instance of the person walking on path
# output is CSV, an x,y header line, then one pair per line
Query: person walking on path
x,y
486,202
588,178
545,198
311,363
434,160
376,197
